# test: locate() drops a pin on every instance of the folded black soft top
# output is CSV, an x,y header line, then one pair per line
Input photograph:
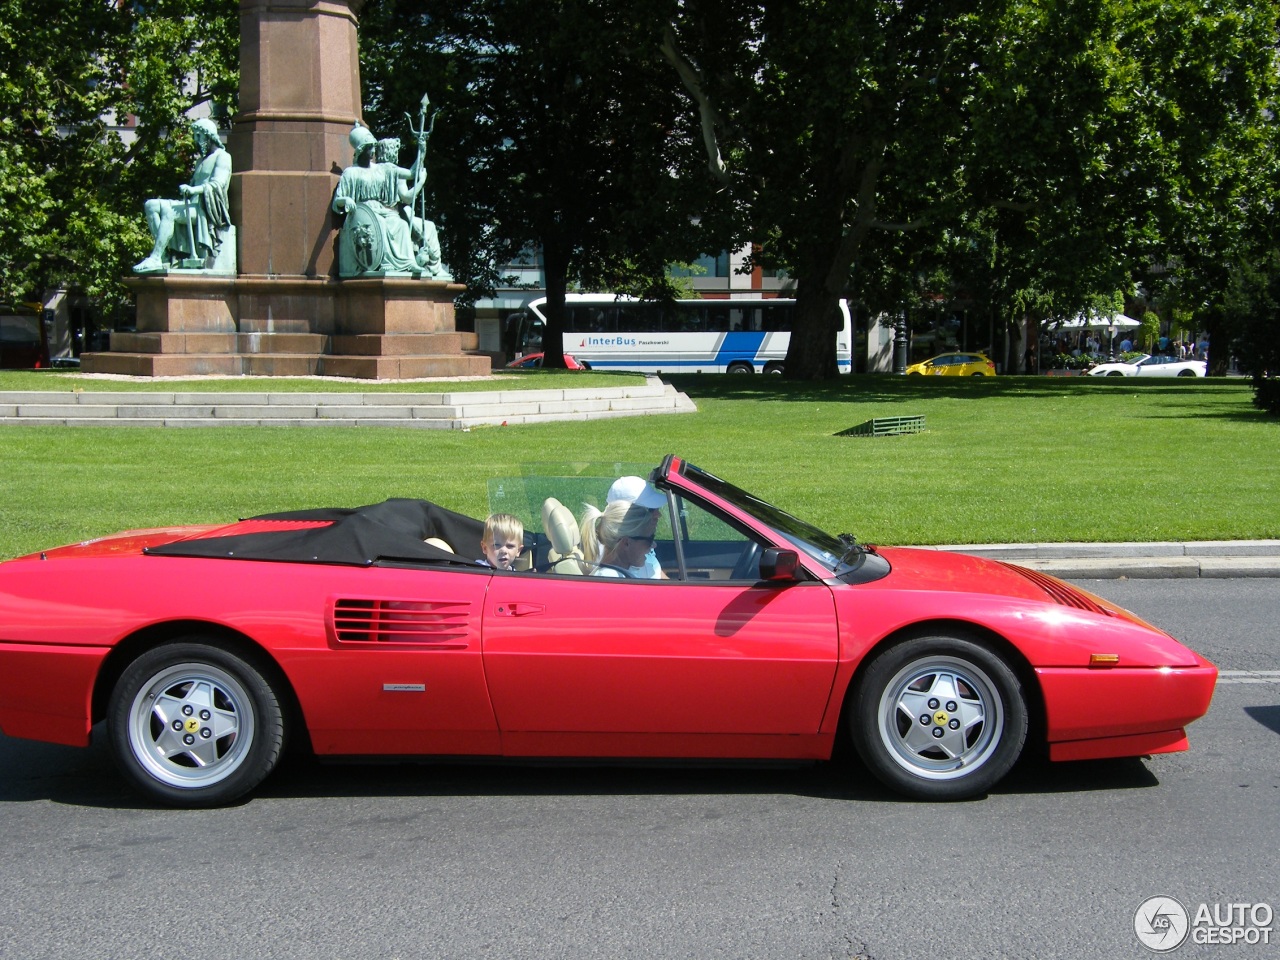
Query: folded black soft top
x,y
391,530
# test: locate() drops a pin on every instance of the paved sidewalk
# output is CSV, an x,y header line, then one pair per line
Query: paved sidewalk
x,y
1152,561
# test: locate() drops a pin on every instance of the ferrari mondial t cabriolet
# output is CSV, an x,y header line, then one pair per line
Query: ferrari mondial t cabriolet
x,y
375,632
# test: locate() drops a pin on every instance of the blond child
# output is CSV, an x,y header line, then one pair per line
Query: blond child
x,y
502,542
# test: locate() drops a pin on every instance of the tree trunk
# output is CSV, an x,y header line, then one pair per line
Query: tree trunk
x,y
1219,353
555,264
812,353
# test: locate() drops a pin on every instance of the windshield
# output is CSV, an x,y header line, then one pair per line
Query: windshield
x,y
839,554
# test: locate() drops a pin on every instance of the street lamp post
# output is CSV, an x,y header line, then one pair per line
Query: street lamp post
x,y
900,344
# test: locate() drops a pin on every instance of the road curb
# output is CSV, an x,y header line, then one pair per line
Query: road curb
x,y
1204,559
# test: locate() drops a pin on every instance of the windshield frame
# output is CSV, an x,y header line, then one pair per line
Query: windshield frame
x,y
838,555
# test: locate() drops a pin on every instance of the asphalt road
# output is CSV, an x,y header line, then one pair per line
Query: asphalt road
x,y
515,862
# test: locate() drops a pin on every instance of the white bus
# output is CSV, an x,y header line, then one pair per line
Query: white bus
x,y
739,335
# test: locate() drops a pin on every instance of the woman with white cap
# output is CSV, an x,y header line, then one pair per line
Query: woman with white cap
x,y
621,538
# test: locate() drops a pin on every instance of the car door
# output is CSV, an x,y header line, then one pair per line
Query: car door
x,y
1157,366
400,670
716,663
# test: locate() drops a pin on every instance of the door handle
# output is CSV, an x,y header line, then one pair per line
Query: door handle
x,y
520,609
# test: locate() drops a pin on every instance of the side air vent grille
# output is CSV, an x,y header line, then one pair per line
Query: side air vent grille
x,y
1062,593
438,623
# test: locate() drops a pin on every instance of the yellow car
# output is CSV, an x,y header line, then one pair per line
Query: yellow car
x,y
954,365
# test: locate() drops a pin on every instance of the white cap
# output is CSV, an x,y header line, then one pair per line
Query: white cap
x,y
635,490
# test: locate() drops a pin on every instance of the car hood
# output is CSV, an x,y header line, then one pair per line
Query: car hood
x,y
1051,622
942,570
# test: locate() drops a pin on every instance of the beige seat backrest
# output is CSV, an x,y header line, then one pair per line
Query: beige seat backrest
x,y
439,544
566,540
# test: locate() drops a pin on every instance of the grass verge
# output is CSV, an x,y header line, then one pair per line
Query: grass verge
x,y
1006,459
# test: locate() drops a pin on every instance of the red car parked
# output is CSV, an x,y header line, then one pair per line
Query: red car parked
x,y
533,361
206,649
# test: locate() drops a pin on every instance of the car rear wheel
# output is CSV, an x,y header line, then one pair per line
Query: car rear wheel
x,y
194,725
1186,373
939,718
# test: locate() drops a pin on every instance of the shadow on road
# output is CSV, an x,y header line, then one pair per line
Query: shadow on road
x,y
1269,717
88,778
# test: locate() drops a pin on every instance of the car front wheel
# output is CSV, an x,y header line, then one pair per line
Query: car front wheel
x,y
194,725
939,718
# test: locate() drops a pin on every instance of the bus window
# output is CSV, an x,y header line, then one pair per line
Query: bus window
x,y
776,319
745,319
681,319
639,318
717,318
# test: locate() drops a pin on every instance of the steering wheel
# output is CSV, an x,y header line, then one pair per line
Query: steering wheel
x,y
748,565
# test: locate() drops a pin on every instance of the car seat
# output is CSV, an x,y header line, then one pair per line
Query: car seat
x,y
566,540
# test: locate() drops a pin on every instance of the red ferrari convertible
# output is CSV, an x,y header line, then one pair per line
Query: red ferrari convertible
x,y
375,632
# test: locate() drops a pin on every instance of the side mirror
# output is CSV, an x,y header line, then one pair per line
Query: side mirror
x,y
778,564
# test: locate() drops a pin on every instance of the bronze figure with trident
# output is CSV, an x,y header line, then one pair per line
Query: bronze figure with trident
x,y
423,229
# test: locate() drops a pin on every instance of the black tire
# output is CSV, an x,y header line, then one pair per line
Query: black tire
x,y
1114,373
777,368
194,694
1186,373
950,684
740,368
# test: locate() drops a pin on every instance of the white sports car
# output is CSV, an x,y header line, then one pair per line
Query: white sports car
x,y
1151,367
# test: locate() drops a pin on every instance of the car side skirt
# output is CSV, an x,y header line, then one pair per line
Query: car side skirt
x,y
673,746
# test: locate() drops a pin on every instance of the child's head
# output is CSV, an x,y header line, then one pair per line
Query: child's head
x,y
503,540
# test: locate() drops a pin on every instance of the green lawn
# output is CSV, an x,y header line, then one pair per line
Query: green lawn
x,y
1007,459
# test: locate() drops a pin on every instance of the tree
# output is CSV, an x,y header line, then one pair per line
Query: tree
x,y
559,135
71,187
1058,129
1251,305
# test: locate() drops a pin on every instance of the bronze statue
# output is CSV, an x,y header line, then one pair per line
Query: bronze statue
x,y
189,233
381,233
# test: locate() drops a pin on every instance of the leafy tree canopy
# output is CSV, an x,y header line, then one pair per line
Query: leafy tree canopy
x,y
72,184
561,132
1060,142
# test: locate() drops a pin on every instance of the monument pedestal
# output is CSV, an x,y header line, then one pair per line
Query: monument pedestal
x,y
392,328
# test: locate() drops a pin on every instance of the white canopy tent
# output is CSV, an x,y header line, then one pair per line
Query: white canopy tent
x,y
1094,322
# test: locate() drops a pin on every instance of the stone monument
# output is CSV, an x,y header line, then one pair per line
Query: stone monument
x,y
285,308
